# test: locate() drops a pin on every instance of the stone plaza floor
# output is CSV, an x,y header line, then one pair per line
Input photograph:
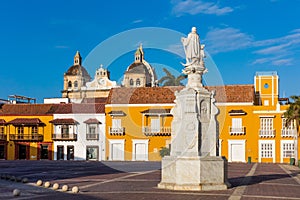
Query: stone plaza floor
x,y
138,180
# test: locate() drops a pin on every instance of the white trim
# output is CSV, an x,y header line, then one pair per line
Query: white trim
x,y
281,147
266,116
234,104
268,112
140,141
272,90
220,147
139,105
232,142
273,149
116,141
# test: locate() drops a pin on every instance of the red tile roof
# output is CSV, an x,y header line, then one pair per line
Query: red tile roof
x,y
145,95
142,95
63,121
78,108
26,121
92,121
233,93
26,109
2,122
50,109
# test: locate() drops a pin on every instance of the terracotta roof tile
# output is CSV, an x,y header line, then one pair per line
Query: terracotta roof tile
x,y
92,121
2,122
63,121
79,108
233,93
26,121
26,109
144,95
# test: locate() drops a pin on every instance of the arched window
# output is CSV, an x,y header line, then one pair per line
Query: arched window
x,y
138,82
131,82
69,84
75,84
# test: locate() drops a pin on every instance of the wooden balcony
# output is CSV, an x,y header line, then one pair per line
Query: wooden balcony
x,y
3,137
64,137
162,131
26,137
90,136
288,132
267,133
117,131
237,130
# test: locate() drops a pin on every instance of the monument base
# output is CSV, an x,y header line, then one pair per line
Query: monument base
x,y
194,173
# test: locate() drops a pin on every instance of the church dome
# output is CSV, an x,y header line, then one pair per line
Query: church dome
x,y
77,70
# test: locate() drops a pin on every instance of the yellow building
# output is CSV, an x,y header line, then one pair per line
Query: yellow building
x,y
252,127
250,122
138,122
25,131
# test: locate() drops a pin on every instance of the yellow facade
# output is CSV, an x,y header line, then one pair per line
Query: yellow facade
x,y
263,136
27,136
137,130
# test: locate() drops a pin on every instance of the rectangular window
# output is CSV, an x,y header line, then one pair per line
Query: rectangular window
x,y
266,150
288,150
20,130
237,126
266,127
92,129
155,125
1,129
116,123
64,129
34,129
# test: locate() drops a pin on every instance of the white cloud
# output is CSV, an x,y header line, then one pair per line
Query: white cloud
x,y
193,7
137,21
280,51
226,39
283,62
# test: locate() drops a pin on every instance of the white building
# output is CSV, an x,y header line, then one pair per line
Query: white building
x,y
78,132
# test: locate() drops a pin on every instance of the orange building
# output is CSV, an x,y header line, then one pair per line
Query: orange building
x,y
25,132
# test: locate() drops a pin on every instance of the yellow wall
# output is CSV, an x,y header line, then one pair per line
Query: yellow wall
x,y
133,130
33,146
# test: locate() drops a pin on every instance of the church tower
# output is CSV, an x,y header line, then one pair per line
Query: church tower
x,y
140,73
266,88
75,78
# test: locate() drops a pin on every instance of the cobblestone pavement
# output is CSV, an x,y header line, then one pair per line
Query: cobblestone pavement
x,y
138,180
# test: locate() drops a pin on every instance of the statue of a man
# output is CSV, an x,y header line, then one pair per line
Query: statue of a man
x,y
192,47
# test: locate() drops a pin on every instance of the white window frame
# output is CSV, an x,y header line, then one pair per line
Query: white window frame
x,y
266,126
272,142
116,141
140,141
282,150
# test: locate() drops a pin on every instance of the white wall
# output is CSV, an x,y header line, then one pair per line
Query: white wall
x,y
81,143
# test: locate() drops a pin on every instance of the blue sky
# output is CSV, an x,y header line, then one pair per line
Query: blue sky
x,y
39,39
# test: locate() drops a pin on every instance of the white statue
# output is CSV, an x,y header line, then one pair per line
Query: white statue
x,y
192,48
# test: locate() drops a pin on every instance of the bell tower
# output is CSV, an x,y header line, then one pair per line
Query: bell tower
x,y
77,59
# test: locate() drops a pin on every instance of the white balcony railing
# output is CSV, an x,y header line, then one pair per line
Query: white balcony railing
x,y
237,130
288,132
267,133
157,131
117,131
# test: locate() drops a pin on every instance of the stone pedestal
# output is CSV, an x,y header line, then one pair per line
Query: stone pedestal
x,y
194,173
